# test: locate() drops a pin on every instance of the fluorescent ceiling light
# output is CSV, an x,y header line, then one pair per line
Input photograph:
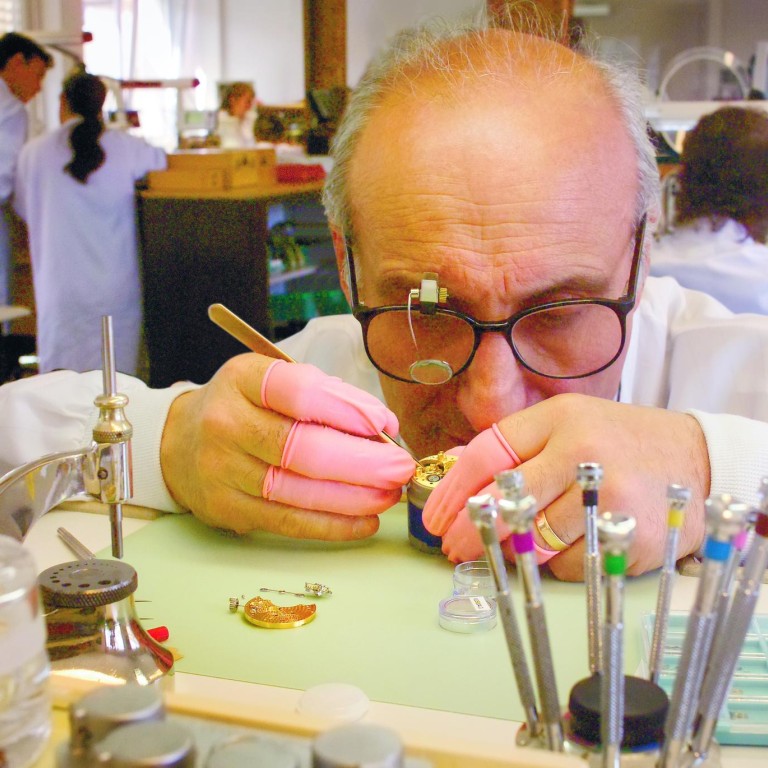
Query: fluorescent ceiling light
x,y
585,10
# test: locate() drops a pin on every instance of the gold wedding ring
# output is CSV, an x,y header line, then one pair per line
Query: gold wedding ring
x,y
552,540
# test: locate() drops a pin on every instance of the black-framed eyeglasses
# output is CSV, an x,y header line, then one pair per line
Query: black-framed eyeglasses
x,y
568,339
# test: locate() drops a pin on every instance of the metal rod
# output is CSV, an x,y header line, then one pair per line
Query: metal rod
x,y
109,376
116,529
677,499
483,512
725,655
108,371
729,583
722,525
518,511
78,548
589,476
615,532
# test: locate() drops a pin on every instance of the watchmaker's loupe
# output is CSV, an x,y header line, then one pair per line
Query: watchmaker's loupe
x,y
430,372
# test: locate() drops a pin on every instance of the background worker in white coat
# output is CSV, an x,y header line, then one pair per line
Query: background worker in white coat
x,y
75,188
721,221
237,116
23,64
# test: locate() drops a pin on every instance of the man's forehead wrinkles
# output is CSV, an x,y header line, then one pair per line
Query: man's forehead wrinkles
x,y
462,237
502,247
471,276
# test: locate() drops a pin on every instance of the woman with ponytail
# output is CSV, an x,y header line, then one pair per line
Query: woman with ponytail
x,y
75,188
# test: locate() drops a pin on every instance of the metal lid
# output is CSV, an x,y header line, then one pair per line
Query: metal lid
x,y
251,751
87,583
105,708
359,745
158,744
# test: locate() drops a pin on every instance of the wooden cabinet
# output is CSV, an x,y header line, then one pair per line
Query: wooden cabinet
x,y
197,250
22,291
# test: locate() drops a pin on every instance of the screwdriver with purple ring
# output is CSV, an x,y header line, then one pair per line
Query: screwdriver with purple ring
x,y
518,509
483,512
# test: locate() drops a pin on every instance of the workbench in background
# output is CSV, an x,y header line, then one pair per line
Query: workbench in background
x,y
200,248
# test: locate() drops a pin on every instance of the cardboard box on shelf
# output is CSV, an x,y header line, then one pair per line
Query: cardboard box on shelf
x,y
215,169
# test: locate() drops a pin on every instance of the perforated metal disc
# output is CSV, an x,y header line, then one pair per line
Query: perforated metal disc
x,y
84,583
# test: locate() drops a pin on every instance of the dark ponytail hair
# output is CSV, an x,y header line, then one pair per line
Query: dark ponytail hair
x,y
85,95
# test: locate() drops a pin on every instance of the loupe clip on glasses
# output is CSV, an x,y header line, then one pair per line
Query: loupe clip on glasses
x,y
429,295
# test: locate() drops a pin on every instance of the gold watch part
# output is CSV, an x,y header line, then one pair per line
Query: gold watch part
x,y
432,470
264,613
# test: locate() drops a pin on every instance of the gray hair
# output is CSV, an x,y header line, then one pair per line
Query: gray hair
x,y
432,47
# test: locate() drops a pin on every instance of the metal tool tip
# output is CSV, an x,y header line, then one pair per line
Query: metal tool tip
x,y
615,529
678,493
482,507
589,474
510,482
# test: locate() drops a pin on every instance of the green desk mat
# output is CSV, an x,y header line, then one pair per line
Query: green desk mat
x,y
379,630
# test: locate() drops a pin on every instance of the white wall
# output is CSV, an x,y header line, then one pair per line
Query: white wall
x,y
652,32
262,40
371,23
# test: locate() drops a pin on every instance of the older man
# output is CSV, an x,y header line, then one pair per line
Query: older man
x,y
516,174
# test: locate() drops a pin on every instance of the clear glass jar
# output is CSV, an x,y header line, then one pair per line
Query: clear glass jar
x,y
474,577
25,708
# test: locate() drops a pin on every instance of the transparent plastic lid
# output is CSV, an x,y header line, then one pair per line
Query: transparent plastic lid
x,y
467,613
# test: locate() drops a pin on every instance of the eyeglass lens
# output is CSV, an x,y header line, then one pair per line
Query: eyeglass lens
x,y
567,341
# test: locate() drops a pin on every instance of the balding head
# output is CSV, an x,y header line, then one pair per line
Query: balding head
x,y
441,63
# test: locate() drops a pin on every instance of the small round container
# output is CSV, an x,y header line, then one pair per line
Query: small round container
x,y
467,614
474,578
358,745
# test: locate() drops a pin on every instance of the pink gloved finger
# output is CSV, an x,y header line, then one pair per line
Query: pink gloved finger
x,y
324,453
462,542
326,495
305,393
542,555
486,454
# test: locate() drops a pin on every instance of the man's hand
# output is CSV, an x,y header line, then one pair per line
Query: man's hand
x,y
280,447
642,451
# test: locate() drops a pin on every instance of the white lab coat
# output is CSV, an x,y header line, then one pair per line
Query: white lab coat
x,y
13,132
83,247
687,353
727,264
236,132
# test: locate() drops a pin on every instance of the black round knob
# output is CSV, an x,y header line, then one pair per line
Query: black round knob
x,y
645,710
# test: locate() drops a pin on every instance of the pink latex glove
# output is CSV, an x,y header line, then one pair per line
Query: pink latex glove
x,y
445,513
333,459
